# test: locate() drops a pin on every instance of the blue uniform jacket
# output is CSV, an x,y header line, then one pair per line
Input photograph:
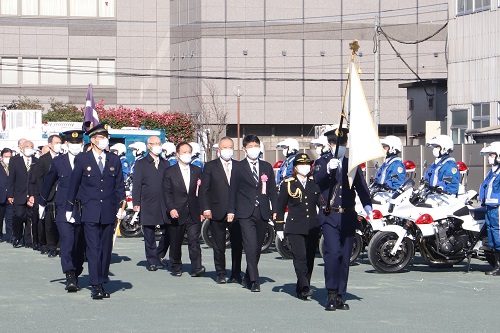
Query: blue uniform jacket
x,y
489,191
285,170
125,166
444,174
60,172
100,195
345,196
392,173
172,160
197,161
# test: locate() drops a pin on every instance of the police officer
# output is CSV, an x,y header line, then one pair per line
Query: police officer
x,y
120,150
71,237
489,196
392,173
300,193
169,153
195,159
337,216
290,149
443,173
321,146
138,151
98,179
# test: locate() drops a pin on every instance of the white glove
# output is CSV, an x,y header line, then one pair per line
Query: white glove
x,y
121,214
69,217
333,164
41,211
280,234
369,212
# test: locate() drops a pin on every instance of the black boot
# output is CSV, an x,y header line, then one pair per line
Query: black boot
x,y
496,270
340,303
331,301
71,285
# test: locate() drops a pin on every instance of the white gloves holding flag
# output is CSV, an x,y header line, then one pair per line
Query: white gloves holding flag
x,y
333,164
369,212
281,235
121,214
41,211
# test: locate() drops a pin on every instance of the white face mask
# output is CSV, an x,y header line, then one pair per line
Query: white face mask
x,y
226,154
436,152
6,160
185,158
103,144
253,153
319,151
303,169
156,150
74,148
491,160
28,152
285,152
57,148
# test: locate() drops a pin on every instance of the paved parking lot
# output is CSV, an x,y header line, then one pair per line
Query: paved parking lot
x,y
32,298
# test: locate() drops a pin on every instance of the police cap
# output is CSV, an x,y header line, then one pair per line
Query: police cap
x,y
101,128
74,136
302,159
337,133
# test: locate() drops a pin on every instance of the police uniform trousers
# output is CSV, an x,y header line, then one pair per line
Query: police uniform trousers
x,y
176,232
337,253
253,232
304,249
492,226
99,244
153,252
48,228
21,223
72,244
218,232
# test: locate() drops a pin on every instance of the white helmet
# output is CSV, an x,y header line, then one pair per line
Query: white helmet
x,y
492,148
394,144
443,141
168,148
289,145
119,148
321,143
196,148
139,147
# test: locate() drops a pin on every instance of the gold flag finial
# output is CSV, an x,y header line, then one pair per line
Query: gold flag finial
x,y
354,46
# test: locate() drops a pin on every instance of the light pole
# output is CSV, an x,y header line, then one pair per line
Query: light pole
x,y
238,92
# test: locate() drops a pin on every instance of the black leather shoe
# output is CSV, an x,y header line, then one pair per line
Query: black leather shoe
x,y
199,272
152,268
51,254
163,262
176,273
340,304
96,292
36,247
304,295
221,279
16,243
71,285
255,287
331,301
237,280
104,293
28,245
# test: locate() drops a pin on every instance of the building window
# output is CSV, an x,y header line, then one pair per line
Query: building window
x,y
29,7
472,6
30,71
107,70
480,115
410,104
54,71
54,7
480,5
498,108
83,72
107,8
459,123
9,70
83,8
8,7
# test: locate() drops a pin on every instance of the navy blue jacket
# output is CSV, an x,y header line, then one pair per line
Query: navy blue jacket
x,y
4,182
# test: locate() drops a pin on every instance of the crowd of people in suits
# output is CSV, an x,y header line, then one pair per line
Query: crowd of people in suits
x,y
78,195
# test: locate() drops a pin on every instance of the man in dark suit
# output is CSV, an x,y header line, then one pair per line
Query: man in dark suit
x,y
48,236
5,206
17,194
147,196
337,217
180,187
72,240
97,178
252,193
214,195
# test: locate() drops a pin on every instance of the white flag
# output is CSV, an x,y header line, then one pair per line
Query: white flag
x,y
364,143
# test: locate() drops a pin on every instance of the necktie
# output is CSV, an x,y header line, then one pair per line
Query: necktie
x,y
157,161
254,172
100,165
28,164
226,170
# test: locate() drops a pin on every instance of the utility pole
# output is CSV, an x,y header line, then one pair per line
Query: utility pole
x,y
376,79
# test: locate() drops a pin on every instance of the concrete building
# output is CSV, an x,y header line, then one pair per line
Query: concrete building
x,y
55,48
474,67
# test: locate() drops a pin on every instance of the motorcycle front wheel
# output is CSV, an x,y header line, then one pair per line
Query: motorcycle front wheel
x,y
284,248
356,247
268,240
130,230
206,234
380,257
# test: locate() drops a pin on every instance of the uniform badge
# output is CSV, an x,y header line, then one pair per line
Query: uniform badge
x,y
112,169
317,168
454,170
125,164
106,127
400,170
89,168
74,134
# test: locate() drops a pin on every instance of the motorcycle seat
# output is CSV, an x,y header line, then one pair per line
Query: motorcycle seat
x,y
478,213
423,204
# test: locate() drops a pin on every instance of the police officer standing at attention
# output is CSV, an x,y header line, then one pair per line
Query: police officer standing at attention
x,y
290,149
97,178
120,150
337,216
443,173
489,196
392,173
300,193
71,237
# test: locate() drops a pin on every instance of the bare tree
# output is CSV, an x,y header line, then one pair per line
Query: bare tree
x,y
210,115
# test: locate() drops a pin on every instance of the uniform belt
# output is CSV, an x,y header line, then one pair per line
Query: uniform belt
x,y
342,209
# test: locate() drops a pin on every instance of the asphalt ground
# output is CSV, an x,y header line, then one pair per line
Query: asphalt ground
x,y
422,299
